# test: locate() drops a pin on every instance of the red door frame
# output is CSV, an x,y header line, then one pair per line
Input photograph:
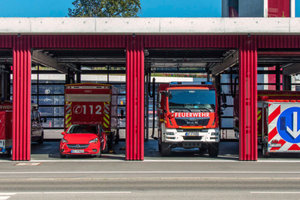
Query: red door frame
x,y
135,69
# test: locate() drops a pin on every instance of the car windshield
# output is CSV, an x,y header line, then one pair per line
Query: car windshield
x,y
83,129
192,100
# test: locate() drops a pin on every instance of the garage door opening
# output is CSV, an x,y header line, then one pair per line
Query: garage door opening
x,y
5,104
188,67
53,70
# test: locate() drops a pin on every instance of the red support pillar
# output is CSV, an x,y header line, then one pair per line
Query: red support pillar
x,y
248,98
21,98
135,99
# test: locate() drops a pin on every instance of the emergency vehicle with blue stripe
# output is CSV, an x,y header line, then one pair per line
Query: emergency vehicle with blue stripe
x,y
278,121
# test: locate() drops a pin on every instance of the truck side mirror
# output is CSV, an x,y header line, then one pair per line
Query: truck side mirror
x,y
63,133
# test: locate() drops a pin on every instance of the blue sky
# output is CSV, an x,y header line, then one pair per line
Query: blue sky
x,y
150,8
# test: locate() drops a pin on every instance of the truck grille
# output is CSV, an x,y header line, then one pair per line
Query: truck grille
x,y
192,122
78,146
192,137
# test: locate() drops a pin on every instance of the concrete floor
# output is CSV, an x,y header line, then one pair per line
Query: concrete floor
x,y
228,151
50,150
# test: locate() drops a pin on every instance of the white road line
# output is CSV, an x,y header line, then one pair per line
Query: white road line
x,y
159,161
84,192
4,197
283,192
154,172
7,194
151,161
279,161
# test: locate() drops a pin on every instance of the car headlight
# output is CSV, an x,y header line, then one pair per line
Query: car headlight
x,y
94,140
64,141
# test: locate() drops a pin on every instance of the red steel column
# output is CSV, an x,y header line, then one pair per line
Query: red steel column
x,y
21,98
248,98
135,99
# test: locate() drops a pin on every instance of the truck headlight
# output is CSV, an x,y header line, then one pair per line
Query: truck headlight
x,y
64,141
94,140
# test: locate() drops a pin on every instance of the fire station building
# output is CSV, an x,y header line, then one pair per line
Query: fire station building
x,y
240,43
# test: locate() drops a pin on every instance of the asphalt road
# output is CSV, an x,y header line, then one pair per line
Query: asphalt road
x,y
165,179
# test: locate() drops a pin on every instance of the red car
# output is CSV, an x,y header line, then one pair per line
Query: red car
x,y
83,139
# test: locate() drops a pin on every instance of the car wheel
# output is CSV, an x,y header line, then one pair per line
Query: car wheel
x,y
62,156
98,155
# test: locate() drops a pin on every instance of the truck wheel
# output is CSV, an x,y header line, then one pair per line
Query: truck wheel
x,y
265,152
159,147
41,140
165,149
202,150
213,150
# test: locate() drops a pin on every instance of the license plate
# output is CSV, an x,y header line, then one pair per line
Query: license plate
x,y
191,134
77,151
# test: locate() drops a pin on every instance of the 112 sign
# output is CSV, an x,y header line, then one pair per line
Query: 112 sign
x,y
87,109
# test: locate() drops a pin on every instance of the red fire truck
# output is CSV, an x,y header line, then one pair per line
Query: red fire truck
x,y
6,120
88,121
278,116
5,128
188,117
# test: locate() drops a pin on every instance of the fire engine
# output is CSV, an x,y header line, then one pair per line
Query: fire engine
x,y
5,128
278,118
188,117
6,123
89,107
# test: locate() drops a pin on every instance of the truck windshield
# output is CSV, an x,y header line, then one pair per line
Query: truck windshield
x,y
83,129
192,100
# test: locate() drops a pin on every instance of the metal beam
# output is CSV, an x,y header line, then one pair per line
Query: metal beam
x,y
6,60
278,60
181,65
185,60
40,58
98,60
292,69
228,62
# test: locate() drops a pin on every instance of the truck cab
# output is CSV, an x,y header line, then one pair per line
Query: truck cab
x,y
188,118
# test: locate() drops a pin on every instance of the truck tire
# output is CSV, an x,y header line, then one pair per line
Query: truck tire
x,y
202,150
264,151
165,149
41,140
213,150
159,147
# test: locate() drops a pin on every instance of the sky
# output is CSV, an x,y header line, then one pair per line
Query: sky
x,y
150,8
